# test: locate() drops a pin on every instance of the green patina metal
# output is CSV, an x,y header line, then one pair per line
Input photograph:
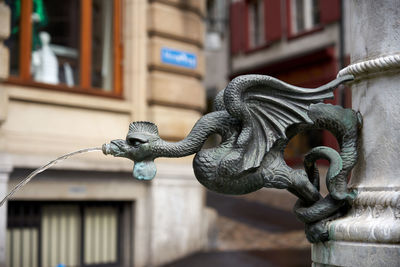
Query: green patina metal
x,y
256,117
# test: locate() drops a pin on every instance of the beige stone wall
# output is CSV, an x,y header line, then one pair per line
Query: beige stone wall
x,y
4,56
135,71
172,21
176,99
176,90
37,125
175,94
5,167
47,123
41,125
4,33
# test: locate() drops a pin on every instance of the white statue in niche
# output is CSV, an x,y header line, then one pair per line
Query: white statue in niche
x,y
44,62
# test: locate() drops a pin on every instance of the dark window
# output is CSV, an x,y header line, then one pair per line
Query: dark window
x,y
66,233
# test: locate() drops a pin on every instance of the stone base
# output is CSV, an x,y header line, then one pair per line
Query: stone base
x,y
339,253
373,218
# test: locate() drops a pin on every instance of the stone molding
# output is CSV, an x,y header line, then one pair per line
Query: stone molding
x,y
175,23
374,217
194,6
33,95
339,253
380,64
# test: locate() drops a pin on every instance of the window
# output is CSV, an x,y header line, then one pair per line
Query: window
x,y
67,233
70,45
305,15
256,23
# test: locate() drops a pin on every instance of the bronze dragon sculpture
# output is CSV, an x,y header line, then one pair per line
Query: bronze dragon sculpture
x,y
256,116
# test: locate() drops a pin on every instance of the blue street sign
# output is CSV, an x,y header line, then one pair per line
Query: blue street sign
x,y
178,58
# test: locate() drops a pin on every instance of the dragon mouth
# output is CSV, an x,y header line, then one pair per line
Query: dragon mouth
x,y
117,148
142,170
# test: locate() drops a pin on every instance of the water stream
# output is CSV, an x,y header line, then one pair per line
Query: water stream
x,y
45,167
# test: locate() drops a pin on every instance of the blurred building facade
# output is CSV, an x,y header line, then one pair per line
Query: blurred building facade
x,y
74,74
301,42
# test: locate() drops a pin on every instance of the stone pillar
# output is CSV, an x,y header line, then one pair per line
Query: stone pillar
x,y
369,235
5,170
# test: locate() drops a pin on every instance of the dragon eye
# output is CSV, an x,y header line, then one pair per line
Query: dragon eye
x,y
134,142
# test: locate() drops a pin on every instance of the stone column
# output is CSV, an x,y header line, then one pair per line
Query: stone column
x,y
369,235
5,170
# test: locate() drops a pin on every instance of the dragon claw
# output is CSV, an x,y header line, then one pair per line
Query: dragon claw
x,y
317,232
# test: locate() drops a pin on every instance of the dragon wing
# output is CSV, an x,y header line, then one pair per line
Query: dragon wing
x,y
267,107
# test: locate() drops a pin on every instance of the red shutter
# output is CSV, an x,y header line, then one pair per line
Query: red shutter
x,y
237,26
272,20
330,11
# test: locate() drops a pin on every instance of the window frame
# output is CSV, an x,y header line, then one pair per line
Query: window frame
x,y
271,14
315,27
260,17
25,78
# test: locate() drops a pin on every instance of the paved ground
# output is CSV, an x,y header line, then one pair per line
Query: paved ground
x,y
254,230
249,258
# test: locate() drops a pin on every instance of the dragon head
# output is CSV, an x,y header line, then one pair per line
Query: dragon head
x,y
137,147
